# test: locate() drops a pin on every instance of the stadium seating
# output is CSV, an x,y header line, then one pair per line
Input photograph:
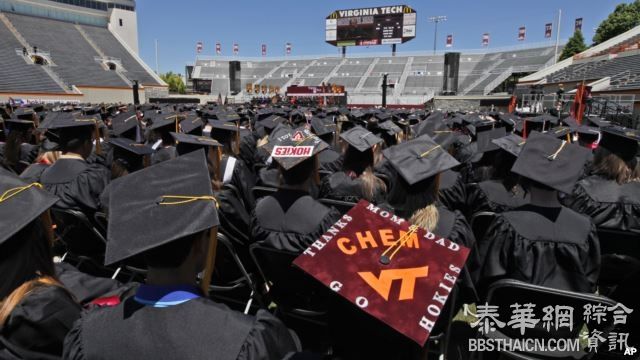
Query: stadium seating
x,y
414,76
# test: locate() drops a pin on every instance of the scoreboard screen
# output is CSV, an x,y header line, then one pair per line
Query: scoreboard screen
x,y
371,26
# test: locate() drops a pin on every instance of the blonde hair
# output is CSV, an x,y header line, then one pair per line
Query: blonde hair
x,y
49,157
9,304
426,217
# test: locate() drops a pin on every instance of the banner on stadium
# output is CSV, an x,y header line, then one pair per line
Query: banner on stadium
x,y
548,29
449,41
264,49
578,26
199,47
522,33
485,39
288,48
236,49
218,48
398,273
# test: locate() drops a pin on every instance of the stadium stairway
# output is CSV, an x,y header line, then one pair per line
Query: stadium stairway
x,y
297,76
19,73
399,89
333,72
366,75
487,74
102,55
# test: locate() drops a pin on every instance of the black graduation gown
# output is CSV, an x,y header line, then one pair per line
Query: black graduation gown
x,y
452,191
339,186
492,196
553,247
33,172
37,326
242,178
608,204
248,149
85,288
290,220
330,160
28,154
77,184
196,329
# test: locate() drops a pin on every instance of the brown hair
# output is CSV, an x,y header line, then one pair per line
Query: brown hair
x,y
12,148
612,167
426,218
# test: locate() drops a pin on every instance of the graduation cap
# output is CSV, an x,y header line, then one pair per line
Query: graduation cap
x,y
561,132
571,122
621,141
130,153
419,159
162,120
511,143
588,134
124,122
485,138
552,162
66,126
223,125
23,113
271,122
294,147
390,128
509,120
20,204
322,126
187,143
18,124
192,125
360,138
599,122
160,204
380,260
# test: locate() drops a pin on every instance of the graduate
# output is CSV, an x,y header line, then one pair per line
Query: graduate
x,y
36,311
502,192
418,164
356,181
160,138
325,128
611,195
17,153
543,242
77,183
169,317
291,219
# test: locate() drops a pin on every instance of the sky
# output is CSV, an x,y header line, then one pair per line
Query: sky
x,y
179,25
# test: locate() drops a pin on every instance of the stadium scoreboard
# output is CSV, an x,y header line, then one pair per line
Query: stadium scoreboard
x,y
371,26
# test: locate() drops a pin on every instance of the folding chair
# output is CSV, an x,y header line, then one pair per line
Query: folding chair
x,y
619,257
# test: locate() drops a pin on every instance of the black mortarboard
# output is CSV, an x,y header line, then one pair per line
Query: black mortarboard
x,y
390,128
571,122
124,122
322,126
23,113
20,203
130,153
294,147
588,134
192,125
552,162
187,143
485,137
65,120
162,120
158,205
271,122
419,159
599,122
223,125
621,141
19,124
360,138
511,143
560,132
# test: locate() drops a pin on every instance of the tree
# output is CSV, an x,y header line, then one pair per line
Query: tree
x,y
176,85
575,45
622,19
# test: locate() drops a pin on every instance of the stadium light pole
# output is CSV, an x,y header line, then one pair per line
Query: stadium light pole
x,y
436,20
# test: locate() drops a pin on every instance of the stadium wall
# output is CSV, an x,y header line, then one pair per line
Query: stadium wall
x,y
41,97
128,31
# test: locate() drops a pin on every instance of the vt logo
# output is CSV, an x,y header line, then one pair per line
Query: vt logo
x,y
407,277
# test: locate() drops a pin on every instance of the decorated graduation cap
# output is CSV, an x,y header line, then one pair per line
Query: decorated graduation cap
x,y
555,163
386,267
322,126
485,138
360,138
511,143
20,203
419,159
158,205
129,153
294,146
621,141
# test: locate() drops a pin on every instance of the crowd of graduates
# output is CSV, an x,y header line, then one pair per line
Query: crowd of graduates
x,y
108,214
